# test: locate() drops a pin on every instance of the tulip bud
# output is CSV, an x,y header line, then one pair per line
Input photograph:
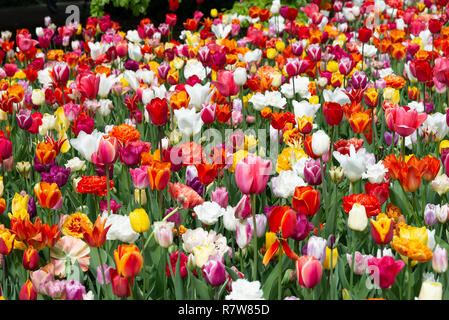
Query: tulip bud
x,y
140,196
24,169
261,224
439,259
320,143
243,234
240,76
336,174
308,271
430,217
220,196
327,262
139,220
30,259
107,274
163,233
191,264
357,219
442,213
312,172
243,209
27,291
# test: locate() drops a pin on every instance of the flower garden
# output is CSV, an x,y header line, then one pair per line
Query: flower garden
x,y
283,152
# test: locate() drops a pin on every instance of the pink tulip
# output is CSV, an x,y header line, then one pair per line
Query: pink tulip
x,y
252,173
314,52
441,70
24,42
236,117
243,234
214,271
243,209
88,84
10,69
107,151
208,112
384,270
345,65
404,120
122,49
130,154
220,196
292,67
225,83
308,271
140,177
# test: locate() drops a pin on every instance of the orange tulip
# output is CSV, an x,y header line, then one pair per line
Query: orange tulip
x,y
411,174
6,242
398,51
206,172
360,121
159,175
96,236
48,194
45,152
306,200
432,167
393,165
128,259
30,258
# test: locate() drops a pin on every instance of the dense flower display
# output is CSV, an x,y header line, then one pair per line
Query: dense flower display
x,y
287,153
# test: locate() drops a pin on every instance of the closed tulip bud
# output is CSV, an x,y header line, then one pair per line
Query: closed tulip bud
x,y
327,262
357,219
336,174
107,150
431,290
128,260
27,291
60,73
243,234
430,217
30,259
240,76
208,112
243,209
220,196
439,259
308,271
261,224
140,196
442,213
312,172
24,168
163,233
191,263
214,271
120,285
140,222
320,143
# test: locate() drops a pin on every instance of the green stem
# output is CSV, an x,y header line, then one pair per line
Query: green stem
x,y
409,265
280,275
253,207
102,273
131,288
143,263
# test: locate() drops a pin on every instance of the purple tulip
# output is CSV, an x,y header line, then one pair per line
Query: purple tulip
x,y
261,224
303,227
42,167
193,181
57,175
24,119
214,271
131,65
312,172
175,218
163,70
389,138
429,106
31,207
430,217
74,290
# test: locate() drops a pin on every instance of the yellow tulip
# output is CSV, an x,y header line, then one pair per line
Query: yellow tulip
x,y
140,221
202,254
327,262
271,53
444,144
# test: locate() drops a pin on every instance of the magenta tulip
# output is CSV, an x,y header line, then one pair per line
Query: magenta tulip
x,y
60,73
384,270
208,112
243,209
107,151
214,271
252,173
140,177
225,83
312,172
220,196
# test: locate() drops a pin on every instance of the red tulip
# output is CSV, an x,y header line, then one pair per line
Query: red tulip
x,y
333,113
380,190
435,25
306,200
225,83
421,69
88,84
365,34
120,285
158,111
30,259
27,291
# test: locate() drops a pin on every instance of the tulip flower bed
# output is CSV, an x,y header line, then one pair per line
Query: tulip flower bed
x,y
285,160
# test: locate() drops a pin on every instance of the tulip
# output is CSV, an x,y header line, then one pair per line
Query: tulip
x,y
159,175
208,112
357,219
439,259
303,227
220,196
163,233
312,172
74,290
327,261
345,65
320,143
306,201
308,271
30,259
314,52
107,152
333,113
240,76
384,270
96,236
243,234
140,221
364,34
261,224
6,242
88,84
421,69
252,174
382,229
158,111
360,262
140,177
107,274
431,290
214,271
128,260
24,119
48,194
430,217
27,291
60,73
225,83
243,209
120,285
